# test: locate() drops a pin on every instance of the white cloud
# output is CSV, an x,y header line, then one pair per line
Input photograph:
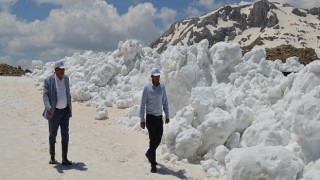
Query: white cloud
x,y
200,7
6,60
138,23
78,25
210,4
24,64
6,4
207,3
56,52
192,12
168,16
68,3
9,25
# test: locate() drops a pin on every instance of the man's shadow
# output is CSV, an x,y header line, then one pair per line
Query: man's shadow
x,y
75,165
165,171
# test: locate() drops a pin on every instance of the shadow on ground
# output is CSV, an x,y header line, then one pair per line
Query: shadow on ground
x,y
80,166
166,171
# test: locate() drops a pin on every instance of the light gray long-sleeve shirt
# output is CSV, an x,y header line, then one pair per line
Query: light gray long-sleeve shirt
x,y
153,101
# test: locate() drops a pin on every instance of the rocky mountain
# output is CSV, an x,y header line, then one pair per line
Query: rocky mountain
x,y
7,70
263,23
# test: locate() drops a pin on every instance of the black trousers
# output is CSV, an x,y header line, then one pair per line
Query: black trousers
x,y
155,128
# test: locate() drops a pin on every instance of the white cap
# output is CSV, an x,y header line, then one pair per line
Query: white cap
x,y
59,64
155,72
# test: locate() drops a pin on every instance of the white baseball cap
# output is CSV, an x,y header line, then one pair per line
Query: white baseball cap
x,y
59,64
155,72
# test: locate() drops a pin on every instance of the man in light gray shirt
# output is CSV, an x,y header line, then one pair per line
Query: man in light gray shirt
x,y
58,110
154,100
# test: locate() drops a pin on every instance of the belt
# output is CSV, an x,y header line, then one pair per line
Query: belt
x,y
154,117
62,109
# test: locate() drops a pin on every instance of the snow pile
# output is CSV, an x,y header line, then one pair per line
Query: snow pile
x,y
239,115
268,162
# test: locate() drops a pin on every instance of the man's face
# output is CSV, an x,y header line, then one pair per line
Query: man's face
x,y
155,79
59,72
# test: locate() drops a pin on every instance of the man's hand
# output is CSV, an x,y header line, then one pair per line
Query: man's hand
x,y
167,120
50,113
142,125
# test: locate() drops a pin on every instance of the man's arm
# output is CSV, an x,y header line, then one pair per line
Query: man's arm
x,y
69,95
46,100
143,108
165,105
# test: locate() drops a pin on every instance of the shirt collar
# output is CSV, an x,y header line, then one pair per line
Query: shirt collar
x,y
56,77
154,85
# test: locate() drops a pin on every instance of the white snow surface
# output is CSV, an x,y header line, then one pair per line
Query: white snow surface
x,y
237,115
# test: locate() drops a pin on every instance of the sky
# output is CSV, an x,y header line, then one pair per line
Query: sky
x,y
53,29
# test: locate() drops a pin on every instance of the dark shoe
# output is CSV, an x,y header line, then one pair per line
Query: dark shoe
x,y
52,161
52,154
153,169
65,160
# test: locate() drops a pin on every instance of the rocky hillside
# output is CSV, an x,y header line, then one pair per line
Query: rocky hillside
x,y
263,23
283,52
7,70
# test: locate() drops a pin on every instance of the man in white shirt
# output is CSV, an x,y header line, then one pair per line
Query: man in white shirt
x,y
58,110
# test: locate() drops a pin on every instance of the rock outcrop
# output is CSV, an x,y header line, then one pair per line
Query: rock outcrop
x,y
7,70
305,55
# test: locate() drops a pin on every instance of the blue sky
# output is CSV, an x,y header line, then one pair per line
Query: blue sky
x,y
30,10
49,30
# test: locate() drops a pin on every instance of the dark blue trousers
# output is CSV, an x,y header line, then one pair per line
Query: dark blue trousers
x,y
59,118
155,128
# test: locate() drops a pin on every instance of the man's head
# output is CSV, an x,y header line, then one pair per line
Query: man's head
x,y
155,76
59,68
